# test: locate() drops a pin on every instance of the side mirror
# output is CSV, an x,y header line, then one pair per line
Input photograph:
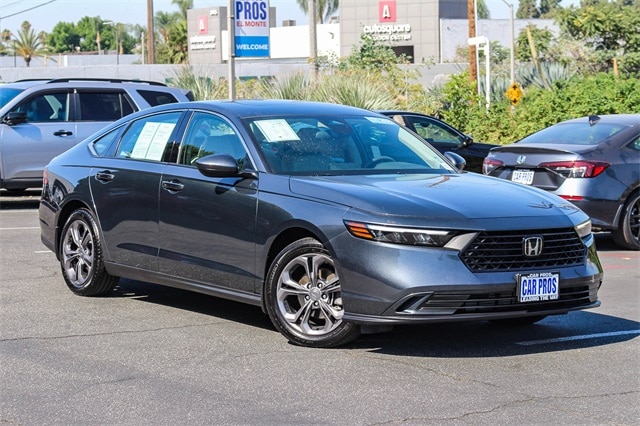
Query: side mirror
x,y
14,118
466,140
222,165
456,159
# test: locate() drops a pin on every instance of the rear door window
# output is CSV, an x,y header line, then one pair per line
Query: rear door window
x,y
149,138
103,106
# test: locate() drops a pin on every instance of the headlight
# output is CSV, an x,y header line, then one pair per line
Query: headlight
x,y
398,235
584,229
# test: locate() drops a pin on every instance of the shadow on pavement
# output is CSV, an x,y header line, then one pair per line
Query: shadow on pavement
x,y
28,199
580,329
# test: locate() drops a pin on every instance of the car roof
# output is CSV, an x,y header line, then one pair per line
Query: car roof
x,y
267,107
82,82
629,119
24,84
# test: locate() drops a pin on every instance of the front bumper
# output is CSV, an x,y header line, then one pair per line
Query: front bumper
x,y
387,284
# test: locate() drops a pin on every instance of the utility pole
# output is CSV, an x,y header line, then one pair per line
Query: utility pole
x,y
471,15
313,38
231,31
150,32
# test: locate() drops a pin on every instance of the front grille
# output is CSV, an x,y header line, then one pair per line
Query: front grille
x,y
502,251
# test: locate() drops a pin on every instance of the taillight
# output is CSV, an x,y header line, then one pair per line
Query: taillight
x,y
490,164
576,169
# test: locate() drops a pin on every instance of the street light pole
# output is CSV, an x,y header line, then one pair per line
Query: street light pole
x,y
512,50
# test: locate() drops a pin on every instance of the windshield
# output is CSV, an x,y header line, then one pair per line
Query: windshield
x,y
325,145
581,133
7,93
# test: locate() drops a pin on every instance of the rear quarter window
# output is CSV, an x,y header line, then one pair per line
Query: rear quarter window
x,y
155,98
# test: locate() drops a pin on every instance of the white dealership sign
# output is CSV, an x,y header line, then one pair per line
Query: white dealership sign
x,y
251,28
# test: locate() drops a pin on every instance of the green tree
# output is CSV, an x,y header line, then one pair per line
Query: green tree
x,y
183,5
483,10
163,22
28,44
5,37
64,37
612,29
172,43
527,9
325,8
542,40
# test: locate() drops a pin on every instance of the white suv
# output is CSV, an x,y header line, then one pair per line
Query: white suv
x,y
40,119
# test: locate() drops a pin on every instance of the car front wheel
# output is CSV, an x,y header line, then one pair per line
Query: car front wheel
x,y
81,256
628,234
303,297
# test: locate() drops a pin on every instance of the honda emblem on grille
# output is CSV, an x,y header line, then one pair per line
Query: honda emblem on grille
x,y
532,246
521,159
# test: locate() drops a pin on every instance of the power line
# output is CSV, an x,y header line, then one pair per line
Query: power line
x,y
26,10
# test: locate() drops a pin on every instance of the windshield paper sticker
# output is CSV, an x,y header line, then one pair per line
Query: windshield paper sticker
x,y
277,130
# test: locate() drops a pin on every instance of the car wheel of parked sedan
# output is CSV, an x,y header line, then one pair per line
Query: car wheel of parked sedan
x,y
81,256
303,296
628,234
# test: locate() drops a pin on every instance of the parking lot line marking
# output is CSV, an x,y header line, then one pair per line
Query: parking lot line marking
x,y
24,227
581,337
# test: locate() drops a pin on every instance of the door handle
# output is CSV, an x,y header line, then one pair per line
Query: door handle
x,y
172,185
105,176
63,133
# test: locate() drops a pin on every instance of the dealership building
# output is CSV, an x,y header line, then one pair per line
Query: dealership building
x,y
426,31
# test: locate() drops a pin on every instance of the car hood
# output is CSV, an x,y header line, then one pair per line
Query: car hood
x,y
465,200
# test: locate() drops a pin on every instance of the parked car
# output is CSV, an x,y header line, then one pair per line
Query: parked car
x,y
331,218
444,138
594,162
40,119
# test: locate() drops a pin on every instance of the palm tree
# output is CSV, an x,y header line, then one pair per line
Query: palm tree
x,y
326,8
28,44
183,5
5,36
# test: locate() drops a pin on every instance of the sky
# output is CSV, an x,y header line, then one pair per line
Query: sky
x,y
45,14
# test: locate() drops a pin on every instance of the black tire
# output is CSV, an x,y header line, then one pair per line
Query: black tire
x,y
81,258
307,307
627,235
518,322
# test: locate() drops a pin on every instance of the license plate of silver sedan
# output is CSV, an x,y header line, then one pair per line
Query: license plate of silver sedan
x,y
523,176
332,219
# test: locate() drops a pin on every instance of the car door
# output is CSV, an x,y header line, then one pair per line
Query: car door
x,y
125,190
207,225
27,147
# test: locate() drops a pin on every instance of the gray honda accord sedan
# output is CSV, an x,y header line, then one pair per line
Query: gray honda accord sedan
x,y
333,219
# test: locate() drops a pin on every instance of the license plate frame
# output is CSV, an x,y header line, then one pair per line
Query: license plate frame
x,y
538,287
523,176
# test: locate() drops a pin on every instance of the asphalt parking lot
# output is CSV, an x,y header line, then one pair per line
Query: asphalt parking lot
x,y
155,355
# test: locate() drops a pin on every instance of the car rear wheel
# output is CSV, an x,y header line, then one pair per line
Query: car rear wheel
x,y
303,297
81,256
628,234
